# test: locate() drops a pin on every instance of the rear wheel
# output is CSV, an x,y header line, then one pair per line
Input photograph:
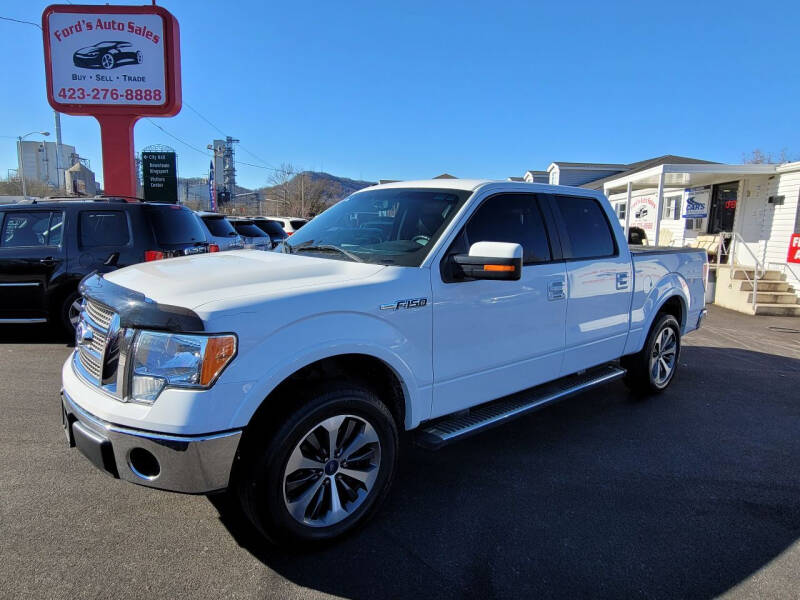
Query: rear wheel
x,y
107,61
653,368
324,470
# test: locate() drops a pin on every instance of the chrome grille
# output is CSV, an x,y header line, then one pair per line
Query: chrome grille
x,y
92,364
92,340
99,314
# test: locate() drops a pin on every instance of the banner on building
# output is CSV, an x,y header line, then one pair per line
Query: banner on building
x,y
794,249
160,177
643,212
695,201
212,190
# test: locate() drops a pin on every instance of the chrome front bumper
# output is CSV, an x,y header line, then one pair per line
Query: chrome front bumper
x,y
188,464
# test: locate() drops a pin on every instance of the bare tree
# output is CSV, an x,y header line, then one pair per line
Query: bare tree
x,y
759,157
278,194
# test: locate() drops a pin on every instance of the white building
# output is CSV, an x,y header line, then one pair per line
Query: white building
x,y
744,215
36,161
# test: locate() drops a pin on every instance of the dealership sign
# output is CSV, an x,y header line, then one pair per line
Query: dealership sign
x,y
643,212
794,249
696,203
117,64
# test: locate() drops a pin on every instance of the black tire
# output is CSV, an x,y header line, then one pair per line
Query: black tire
x,y
68,312
262,480
642,377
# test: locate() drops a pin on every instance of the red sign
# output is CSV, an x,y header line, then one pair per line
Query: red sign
x,y
117,64
794,249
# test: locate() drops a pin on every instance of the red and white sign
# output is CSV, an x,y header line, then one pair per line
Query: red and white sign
x,y
117,64
794,249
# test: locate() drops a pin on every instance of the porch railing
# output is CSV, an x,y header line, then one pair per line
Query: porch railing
x,y
727,246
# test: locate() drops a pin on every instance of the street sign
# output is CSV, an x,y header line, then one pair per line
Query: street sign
x,y
794,249
117,64
160,177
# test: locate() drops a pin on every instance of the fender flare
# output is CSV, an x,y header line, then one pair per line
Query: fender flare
x,y
672,285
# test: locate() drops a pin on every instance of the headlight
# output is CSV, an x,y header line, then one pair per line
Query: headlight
x,y
178,360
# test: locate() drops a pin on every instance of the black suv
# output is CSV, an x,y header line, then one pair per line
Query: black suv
x,y
272,228
48,246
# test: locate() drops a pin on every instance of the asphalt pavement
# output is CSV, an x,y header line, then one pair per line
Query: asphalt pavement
x,y
692,494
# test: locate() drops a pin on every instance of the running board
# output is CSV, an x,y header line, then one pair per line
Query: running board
x,y
435,434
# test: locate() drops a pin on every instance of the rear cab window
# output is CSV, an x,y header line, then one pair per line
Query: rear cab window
x,y
584,227
174,225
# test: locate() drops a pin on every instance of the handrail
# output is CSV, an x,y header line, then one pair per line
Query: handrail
x,y
784,266
759,270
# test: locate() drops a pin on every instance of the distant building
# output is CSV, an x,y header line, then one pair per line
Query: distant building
x,y
534,177
38,161
80,181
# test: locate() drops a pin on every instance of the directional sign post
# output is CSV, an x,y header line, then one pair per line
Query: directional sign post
x,y
117,64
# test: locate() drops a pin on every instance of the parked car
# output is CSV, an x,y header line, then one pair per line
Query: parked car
x,y
47,247
220,231
287,376
272,228
252,235
290,224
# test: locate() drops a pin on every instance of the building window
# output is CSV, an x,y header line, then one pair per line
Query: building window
x,y
621,209
672,208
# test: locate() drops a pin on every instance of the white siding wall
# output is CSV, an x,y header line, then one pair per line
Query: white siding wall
x,y
568,176
784,220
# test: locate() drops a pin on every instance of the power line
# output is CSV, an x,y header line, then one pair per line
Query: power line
x,y
20,21
253,154
175,137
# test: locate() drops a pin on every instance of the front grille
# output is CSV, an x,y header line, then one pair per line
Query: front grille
x,y
99,314
93,340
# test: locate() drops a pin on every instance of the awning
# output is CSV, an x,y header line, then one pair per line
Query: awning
x,y
684,176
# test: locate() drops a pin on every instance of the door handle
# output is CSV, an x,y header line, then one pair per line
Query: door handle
x,y
555,291
622,281
48,261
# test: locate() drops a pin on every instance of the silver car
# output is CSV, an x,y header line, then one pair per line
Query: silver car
x,y
252,235
220,231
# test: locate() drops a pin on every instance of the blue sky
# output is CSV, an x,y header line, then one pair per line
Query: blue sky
x,y
478,89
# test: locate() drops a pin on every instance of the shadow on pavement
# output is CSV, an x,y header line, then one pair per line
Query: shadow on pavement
x,y
34,334
682,495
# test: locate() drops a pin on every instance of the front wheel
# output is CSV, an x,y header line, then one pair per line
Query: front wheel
x,y
653,368
324,470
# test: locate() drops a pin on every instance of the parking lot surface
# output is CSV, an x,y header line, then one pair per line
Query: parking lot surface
x,y
692,494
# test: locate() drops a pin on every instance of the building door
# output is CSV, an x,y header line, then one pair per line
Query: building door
x,y
723,207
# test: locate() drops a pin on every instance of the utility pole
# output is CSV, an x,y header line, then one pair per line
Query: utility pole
x,y
302,193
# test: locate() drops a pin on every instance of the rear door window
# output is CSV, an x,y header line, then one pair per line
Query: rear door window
x,y
103,228
248,229
514,218
297,224
219,226
32,228
175,225
273,228
585,230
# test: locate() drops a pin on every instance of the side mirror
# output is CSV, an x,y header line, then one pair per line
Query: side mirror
x,y
490,260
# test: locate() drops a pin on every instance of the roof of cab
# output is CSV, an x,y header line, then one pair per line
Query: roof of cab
x,y
442,184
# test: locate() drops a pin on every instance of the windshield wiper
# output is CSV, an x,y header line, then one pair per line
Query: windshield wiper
x,y
328,248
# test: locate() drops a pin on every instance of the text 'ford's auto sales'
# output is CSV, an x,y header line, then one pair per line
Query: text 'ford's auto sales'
x,y
108,60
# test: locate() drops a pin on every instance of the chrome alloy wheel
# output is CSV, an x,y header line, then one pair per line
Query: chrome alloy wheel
x,y
75,311
663,357
331,471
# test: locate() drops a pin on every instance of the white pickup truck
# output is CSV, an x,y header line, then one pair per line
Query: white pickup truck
x,y
442,306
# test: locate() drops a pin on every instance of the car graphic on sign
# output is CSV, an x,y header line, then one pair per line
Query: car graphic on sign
x,y
107,55
641,213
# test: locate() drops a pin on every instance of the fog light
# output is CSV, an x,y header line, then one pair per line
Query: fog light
x,y
143,463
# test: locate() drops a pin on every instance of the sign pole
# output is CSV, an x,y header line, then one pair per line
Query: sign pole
x,y
119,171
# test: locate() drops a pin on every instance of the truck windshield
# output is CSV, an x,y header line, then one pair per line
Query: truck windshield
x,y
390,226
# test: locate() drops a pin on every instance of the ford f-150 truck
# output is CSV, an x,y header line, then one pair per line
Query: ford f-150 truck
x,y
442,306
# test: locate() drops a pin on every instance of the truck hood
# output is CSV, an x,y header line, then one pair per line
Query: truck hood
x,y
192,281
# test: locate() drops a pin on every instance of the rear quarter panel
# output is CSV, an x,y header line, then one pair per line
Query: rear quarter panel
x,y
657,278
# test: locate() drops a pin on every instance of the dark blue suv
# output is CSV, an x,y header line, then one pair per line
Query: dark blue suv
x,y
48,246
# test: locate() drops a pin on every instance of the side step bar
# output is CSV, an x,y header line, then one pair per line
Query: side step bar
x,y
435,434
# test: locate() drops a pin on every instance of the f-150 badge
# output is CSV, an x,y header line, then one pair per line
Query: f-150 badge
x,y
412,303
